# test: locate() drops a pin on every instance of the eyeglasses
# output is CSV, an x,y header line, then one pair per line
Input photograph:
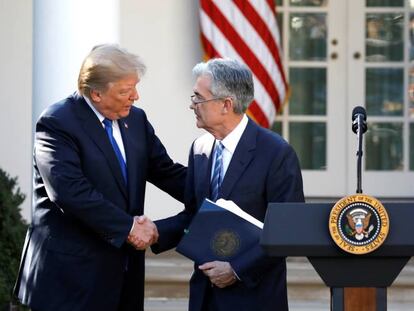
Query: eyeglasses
x,y
196,100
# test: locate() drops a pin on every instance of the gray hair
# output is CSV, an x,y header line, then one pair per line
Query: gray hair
x,y
229,78
107,63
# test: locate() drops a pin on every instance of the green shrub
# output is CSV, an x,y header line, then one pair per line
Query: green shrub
x,y
12,234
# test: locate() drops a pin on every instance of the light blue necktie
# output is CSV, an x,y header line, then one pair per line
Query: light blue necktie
x,y
109,132
217,177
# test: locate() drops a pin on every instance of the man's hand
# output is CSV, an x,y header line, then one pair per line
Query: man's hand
x,y
143,234
220,273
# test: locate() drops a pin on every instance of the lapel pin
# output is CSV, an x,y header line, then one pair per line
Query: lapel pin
x,y
126,125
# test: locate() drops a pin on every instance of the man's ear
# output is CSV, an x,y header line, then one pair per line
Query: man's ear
x,y
95,96
228,105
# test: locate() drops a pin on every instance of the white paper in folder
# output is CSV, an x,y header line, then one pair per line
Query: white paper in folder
x,y
232,207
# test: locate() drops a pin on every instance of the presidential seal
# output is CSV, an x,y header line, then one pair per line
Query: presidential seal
x,y
225,243
358,224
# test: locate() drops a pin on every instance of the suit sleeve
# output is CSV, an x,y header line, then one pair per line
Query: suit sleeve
x,y
57,157
163,172
284,184
171,229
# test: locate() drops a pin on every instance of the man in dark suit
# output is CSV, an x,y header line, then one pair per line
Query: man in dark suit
x,y
239,161
93,153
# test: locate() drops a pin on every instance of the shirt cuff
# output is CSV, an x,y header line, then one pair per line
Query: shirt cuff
x,y
235,274
133,225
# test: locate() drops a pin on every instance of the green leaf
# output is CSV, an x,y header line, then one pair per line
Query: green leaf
x,y
12,234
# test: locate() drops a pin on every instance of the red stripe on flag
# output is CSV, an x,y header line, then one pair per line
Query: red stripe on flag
x,y
258,114
209,49
244,51
271,4
261,28
255,110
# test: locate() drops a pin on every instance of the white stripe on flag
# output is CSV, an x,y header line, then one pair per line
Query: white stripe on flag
x,y
267,53
268,17
252,39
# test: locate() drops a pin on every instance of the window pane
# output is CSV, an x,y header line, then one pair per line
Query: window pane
x,y
309,141
384,91
384,37
411,93
279,21
308,2
384,147
308,91
307,40
392,3
412,147
411,35
277,127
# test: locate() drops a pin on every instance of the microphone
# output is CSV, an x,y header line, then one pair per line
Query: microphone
x,y
359,127
359,119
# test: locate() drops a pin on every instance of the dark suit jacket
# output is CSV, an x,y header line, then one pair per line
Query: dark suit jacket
x,y
75,256
264,168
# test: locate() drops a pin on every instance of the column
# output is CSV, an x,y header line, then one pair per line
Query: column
x,y
64,32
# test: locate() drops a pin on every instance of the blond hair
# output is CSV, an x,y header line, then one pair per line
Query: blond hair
x,y
105,64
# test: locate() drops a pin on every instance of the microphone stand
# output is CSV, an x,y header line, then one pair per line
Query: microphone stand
x,y
359,154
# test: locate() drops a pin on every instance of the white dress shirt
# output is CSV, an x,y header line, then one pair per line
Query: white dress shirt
x,y
230,143
116,132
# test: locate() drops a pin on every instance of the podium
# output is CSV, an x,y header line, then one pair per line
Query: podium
x,y
357,282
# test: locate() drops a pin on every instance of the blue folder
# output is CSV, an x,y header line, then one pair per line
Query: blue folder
x,y
217,234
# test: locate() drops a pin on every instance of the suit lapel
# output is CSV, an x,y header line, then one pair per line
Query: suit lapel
x,y
132,163
201,162
202,175
241,158
207,178
97,133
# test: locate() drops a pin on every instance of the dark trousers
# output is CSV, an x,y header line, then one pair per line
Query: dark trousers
x,y
209,302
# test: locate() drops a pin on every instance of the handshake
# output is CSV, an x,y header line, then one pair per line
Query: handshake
x,y
144,233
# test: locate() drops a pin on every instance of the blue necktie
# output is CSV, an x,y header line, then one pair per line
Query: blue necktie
x,y
122,164
217,177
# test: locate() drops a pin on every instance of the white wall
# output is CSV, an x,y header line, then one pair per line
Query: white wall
x,y
166,35
16,93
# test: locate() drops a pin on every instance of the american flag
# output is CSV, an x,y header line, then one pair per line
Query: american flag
x,y
246,30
